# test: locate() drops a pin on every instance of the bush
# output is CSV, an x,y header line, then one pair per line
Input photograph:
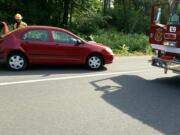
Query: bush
x,y
124,44
89,23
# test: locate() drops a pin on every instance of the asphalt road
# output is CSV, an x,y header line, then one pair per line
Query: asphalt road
x,y
128,97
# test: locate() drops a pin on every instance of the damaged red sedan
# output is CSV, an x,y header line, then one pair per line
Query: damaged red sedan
x,y
50,45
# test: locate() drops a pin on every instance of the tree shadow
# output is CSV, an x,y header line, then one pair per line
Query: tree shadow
x,y
46,70
153,102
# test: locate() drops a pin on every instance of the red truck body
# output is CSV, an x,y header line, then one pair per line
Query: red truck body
x,y
165,35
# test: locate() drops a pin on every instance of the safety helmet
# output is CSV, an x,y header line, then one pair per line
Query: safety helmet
x,y
18,17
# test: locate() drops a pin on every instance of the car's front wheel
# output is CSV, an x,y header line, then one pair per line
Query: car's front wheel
x,y
95,62
17,62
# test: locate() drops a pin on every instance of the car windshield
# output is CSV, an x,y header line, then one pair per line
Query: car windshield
x,y
175,14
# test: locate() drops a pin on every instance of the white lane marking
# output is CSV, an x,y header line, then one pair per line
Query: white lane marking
x,y
70,77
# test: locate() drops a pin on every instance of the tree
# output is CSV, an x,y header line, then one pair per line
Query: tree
x,y
66,11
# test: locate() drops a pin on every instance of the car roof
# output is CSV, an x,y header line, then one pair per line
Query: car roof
x,y
44,27
17,31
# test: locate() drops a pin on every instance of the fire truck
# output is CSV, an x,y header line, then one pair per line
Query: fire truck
x,y
165,35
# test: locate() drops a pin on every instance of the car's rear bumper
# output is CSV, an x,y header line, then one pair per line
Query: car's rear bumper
x,y
108,59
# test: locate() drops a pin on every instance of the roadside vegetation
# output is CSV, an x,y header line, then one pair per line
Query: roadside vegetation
x,y
121,24
124,44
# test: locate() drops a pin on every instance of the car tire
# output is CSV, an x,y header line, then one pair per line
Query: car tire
x,y
95,62
17,62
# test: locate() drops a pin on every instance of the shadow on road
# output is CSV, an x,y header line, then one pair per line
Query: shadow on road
x,y
153,102
46,70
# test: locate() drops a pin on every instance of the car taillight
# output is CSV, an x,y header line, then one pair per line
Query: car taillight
x,y
170,36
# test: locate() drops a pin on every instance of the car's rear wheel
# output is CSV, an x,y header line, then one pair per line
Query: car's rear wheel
x,y
17,62
95,62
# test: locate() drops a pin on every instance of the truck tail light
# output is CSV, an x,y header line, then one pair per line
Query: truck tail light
x,y
170,36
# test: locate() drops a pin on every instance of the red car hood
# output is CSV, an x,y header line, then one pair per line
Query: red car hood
x,y
95,43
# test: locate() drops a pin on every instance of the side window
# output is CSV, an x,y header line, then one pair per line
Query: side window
x,y
37,35
59,36
161,14
175,14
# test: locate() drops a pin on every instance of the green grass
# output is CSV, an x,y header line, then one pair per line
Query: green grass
x,y
124,44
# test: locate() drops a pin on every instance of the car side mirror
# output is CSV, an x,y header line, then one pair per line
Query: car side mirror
x,y
78,42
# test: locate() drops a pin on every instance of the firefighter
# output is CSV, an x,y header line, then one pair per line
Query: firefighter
x,y
18,22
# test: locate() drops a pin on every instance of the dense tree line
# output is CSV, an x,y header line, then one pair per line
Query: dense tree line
x,y
131,16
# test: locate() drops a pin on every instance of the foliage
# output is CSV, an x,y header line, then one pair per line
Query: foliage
x,y
89,22
122,43
130,16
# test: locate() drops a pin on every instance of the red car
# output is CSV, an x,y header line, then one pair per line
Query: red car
x,y
50,45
